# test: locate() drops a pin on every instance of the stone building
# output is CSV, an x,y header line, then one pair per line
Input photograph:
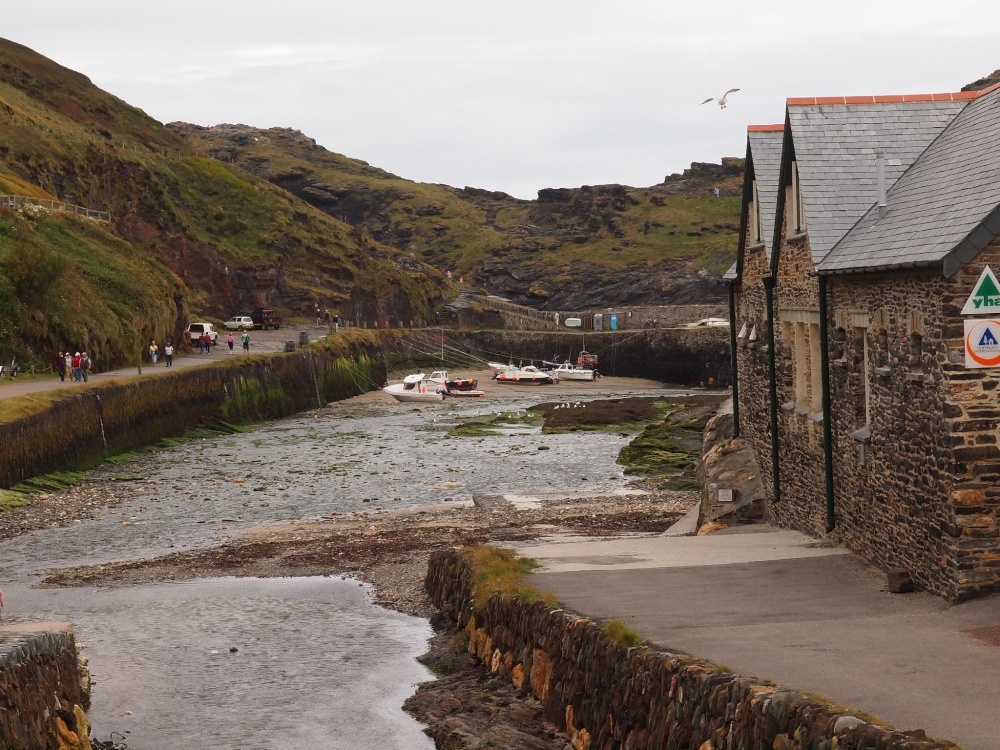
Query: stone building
x,y
868,370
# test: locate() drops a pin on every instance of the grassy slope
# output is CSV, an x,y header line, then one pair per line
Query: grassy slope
x,y
188,234
602,230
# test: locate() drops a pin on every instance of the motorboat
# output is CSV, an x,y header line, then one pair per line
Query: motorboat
x,y
461,384
569,371
415,389
498,367
529,375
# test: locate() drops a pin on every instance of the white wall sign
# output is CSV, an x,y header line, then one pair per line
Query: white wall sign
x,y
982,342
985,297
725,495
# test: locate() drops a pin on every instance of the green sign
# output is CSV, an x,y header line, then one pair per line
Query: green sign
x,y
985,297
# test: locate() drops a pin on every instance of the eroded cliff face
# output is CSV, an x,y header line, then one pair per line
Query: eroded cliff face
x,y
589,246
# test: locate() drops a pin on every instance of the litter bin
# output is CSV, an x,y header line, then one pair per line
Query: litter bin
x,y
289,346
303,338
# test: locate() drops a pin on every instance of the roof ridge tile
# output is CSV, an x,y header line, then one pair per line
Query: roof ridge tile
x,y
776,128
946,96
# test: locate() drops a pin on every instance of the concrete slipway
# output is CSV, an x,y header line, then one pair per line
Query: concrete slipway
x,y
808,615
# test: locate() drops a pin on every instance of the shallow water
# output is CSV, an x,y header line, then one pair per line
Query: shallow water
x,y
318,665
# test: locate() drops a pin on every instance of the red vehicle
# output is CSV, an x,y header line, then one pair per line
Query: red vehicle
x,y
265,317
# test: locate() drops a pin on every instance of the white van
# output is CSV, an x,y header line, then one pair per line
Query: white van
x,y
195,330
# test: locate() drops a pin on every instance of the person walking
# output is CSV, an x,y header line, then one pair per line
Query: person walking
x,y
75,363
336,323
61,365
230,342
206,342
168,353
246,342
154,352
85,365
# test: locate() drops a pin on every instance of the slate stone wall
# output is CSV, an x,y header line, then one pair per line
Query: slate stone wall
x,y
608,696
40,682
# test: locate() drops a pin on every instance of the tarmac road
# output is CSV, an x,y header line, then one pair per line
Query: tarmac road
x,y
782,606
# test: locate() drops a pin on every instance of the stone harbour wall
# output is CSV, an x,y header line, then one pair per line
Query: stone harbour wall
x,y
85,427
605,695
44,687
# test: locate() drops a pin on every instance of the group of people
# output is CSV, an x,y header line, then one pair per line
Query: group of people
x,y
78,366
324,316
168,352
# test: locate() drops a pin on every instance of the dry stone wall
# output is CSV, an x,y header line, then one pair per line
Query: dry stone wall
x,y
43,689
607,696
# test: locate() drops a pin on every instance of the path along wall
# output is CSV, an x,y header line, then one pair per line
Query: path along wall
x,y
608,696
44,688
86,427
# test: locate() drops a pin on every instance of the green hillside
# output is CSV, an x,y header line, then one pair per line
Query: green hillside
x,y
187,234
596,245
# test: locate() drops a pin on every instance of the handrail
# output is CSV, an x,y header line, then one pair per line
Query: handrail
x,y
12,201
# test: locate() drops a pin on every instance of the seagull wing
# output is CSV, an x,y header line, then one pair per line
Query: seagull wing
x,y
710,99
730,91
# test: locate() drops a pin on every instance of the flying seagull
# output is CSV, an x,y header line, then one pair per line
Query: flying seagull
x,y
722,101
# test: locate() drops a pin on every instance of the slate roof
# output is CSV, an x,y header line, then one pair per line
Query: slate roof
x,y
765,149
944,209
835,141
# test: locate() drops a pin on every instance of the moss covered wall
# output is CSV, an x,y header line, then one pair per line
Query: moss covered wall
x,y
81,430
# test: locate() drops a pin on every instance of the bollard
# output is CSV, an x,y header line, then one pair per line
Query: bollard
x,y
303,338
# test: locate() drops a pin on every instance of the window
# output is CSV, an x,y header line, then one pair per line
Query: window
x,y
795,210
801,365
815,370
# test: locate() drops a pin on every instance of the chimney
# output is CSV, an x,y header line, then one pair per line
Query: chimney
x,y
883,205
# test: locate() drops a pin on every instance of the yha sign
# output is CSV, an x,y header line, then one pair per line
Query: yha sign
x,y
985,297
982,343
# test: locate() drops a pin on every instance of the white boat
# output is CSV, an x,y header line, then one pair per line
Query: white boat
x,y
415,388
569,371
529,375
438,376
498,367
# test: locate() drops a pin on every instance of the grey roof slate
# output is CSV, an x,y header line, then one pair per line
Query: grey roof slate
x,y
835,147
937,207
765,148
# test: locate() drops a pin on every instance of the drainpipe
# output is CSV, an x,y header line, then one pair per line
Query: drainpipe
x,y
732,356
824,356
772,387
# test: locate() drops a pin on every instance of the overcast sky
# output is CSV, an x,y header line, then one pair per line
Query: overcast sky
x,y
511,95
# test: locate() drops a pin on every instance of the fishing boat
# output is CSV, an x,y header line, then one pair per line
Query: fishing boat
x,y
466,393
569,371
461,384
415,389
529,375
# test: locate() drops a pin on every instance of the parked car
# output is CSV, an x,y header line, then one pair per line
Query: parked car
x,y
195,330
238,323
265,317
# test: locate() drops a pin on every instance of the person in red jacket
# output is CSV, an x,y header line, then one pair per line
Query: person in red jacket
x,y
77,372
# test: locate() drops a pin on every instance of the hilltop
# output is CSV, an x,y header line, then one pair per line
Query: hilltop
x,y
571,248
185,234
211,221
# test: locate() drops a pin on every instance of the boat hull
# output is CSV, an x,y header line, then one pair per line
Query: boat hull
x,y
414,395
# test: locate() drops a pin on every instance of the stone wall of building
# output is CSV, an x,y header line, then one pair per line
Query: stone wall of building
x,y
800,427
892,488
44,687
751,359
606,695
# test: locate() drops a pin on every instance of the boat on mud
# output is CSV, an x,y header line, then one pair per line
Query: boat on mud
x,y
529,375
415,388
569,371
